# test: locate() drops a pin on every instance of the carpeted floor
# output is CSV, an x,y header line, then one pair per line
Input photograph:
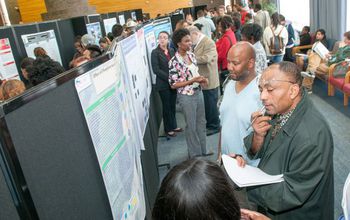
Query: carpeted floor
x,y
174,151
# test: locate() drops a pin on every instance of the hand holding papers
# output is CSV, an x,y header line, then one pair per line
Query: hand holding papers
x,y
320,49
248,176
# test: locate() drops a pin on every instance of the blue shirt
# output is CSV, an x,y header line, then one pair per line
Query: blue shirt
x,y
235,113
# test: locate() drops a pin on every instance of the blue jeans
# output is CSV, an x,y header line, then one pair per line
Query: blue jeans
x,y
211,97
276,58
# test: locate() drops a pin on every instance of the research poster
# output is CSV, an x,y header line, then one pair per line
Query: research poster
x,y
140,36
139,79
94,29
107,110
47,40
8,69
151,44
121,19
133,16
163,24
108,23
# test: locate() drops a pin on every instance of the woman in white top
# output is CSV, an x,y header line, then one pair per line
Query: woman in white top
x,y
275,39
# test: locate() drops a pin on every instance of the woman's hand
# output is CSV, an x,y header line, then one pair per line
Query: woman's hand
x,y
251,215
240,160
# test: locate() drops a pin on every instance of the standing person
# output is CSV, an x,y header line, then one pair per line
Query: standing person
x,y
184,76
275,39
291,38
221,10
160,58
227,40
293,140
237,28
206,56
228,9
240,100
261,17
241,8
208,25
253,33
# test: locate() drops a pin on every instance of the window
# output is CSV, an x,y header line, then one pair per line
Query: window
x,y
296,11
347,15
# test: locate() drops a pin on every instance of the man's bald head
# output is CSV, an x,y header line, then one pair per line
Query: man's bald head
x,y
244,48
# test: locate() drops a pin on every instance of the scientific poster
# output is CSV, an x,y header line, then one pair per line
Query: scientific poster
x,y
46,40
8,67
141,42
121,19
151,44
133,16
94,29
108,23
163,24
139,79
109,115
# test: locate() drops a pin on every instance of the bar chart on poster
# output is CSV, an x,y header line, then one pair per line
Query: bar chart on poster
x,y
47,40
108,113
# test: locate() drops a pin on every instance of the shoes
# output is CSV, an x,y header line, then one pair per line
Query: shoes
x,y
171,134
211,132
178,130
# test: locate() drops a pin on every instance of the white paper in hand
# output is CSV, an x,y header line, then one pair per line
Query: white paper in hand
x,y
248,176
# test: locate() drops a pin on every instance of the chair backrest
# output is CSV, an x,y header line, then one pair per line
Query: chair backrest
x,y
346,199
330,44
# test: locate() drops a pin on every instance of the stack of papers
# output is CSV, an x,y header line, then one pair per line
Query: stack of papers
x,y
248,176
320,49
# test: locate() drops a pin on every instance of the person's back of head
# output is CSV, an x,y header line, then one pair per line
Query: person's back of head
x,y
252,32
40,52
43,69
257,7
110,36
275,19
200,13
196,189
87,39
236,15
199,26
236,23
117,30
225,22
12,88
93,50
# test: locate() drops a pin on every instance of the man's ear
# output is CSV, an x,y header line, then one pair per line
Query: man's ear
x,y
294,91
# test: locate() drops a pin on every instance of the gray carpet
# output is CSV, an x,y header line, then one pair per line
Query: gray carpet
x,y
174,151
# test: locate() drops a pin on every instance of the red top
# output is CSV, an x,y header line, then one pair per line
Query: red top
x,y
243,14
222,46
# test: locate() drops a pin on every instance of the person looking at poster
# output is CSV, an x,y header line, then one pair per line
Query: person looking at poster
x,y
184,76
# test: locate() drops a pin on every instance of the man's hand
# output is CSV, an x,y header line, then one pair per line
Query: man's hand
x,y
240,160
260,124
251,215
204,82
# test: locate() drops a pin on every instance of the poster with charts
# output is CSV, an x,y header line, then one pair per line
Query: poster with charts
x,y
47,40
8,69
109,115
139,78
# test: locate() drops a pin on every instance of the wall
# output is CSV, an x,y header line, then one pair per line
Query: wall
x,y
31,10
14,15
209,3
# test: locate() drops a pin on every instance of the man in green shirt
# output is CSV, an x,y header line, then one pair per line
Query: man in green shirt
x,y
293,140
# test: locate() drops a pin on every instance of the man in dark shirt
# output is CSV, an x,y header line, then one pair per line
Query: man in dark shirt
x,y
293,140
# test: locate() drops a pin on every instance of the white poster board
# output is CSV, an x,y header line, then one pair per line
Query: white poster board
x,y
8,69
109,113
94,29
121,19
46,40
109,23
151,44
139,78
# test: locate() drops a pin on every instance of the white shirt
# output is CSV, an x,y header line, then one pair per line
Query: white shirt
x,y
268,34
235,112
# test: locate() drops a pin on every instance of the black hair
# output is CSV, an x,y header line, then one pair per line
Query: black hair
x,y
236,14
282,18
26,62
178,35
163,32
236,23
291,70
200,13
43,68
196,189
257,6
103,40
117,30
225,22
252,32
110,36
275,19
95,51
307,28
199,26
323,32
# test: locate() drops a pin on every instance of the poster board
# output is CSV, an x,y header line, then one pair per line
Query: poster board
x,y
8,67
151,44
108,23
108,112
94,29
121,19
47,40
163,24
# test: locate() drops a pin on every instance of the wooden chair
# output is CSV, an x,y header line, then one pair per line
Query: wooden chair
x,y
342,84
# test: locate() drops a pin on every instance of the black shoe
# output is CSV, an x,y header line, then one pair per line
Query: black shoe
x,y
211,132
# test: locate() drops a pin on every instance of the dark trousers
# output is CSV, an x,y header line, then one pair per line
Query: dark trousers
x,y
288,55
168,97
211,97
